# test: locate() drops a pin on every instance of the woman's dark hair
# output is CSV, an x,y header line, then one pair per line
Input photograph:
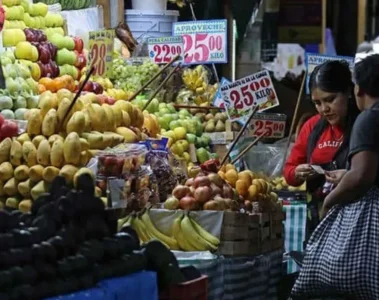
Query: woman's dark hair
x,y
367,76
333,77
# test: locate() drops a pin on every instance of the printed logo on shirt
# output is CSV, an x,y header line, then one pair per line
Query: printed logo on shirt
x,y
329,144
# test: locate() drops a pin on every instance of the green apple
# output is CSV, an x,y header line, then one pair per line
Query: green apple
x,y
180,133
184,144
174,124
171,108
185,112
207,140
202,155
175,116
20,102
153,106
6,61
65,56
164,111
163,123
177,149
191,138
162,105
170,134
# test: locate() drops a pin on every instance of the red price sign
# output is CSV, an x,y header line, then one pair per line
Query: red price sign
x,y
101,51
205,42
241,96
273,124
163,50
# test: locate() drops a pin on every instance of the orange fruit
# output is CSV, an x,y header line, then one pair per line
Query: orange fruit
x,y
242,188
48,83
253,192
232,177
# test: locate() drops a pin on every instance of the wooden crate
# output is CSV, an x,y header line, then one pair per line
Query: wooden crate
x,y
266,231
235,235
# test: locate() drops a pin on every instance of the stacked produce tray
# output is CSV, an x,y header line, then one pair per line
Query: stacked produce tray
x,y
255,234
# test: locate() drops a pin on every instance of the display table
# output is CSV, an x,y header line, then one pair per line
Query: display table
x,y
243,278
137,286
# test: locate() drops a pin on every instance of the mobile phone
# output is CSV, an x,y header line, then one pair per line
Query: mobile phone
x,y
318,169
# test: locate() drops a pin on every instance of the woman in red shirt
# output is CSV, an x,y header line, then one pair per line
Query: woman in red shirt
x,y
324,138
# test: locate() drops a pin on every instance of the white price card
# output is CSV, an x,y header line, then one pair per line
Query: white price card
x,y
205,42
243,95
273,124
162,50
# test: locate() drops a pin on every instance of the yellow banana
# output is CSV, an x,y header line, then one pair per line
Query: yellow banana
x,y
138,227
193,237
172,243
205,234
178,235
121,222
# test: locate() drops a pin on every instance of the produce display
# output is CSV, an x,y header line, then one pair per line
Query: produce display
x,y
130,77
51,147
279,183
197,89
68,242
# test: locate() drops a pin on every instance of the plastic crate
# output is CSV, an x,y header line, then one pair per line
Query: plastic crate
x,y
196,289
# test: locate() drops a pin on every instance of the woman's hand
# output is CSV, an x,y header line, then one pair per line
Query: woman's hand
x,y
304,172
335,176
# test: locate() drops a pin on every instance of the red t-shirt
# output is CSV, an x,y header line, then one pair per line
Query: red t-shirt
x,y
326,147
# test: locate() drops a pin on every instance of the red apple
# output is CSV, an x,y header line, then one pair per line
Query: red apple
x,y
79,45
54,68
97,88
81,60
44,54
1,120
101,99
29,34
8,129
111,101
88,87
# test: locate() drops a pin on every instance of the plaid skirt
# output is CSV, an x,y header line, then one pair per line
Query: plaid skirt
x,y
342,255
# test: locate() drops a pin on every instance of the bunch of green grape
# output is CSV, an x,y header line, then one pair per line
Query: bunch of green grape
x,y
131,77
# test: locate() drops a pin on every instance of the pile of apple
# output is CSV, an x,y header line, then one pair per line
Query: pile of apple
x,y
204,192
181,128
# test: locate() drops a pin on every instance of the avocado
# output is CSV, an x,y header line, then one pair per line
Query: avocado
x,y
49,252
22,238
6,241
45,270
5,219
29,275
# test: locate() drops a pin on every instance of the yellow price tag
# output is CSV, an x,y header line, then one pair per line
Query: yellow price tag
x,y
101,51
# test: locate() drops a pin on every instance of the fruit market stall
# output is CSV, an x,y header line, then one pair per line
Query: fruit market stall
x,y
152,157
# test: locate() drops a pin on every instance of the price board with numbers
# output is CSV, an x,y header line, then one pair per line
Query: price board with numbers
x,y
101,51
242,96
164,49
273,124
205,42
217,100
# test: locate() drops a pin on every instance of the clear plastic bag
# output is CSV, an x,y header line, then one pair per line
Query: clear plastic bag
x,y
165,176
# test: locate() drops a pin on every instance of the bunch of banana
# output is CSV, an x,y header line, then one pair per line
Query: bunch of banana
x,y
118,94
196,79
146,230
191,236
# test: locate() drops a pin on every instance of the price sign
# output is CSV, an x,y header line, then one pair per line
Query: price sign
x,y
241,96
205,42
313,60
218,100
273,124
163,50
101,51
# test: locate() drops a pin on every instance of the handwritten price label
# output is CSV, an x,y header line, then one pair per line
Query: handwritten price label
x,y
241,96
205,42
273,124
163,50
101,51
